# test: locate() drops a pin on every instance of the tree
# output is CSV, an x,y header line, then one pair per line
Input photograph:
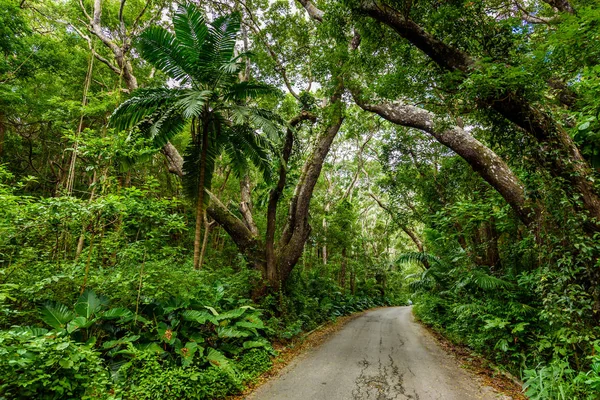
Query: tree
x,y
117,38
207,96
558,150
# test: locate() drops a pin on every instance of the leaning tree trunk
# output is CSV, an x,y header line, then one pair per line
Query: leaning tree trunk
x,y
491,167
558,149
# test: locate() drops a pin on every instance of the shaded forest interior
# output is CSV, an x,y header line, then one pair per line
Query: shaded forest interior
x,y
183,184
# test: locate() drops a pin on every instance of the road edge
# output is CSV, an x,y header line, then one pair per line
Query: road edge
x,y
292,350
489,373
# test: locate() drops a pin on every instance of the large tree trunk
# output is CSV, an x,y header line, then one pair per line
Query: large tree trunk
x,y
247,243
297,229
482,159
276,259
246,204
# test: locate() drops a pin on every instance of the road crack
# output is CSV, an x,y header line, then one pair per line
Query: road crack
x,y
381,381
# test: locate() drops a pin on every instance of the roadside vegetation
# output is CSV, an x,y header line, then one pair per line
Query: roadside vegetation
x,y
183,184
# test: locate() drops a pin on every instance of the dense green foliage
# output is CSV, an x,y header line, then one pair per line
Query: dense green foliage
x,y
182,185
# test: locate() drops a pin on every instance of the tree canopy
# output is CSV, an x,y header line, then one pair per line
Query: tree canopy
x,y
185,183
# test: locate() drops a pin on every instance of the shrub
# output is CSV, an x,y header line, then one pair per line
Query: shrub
x,y
35,364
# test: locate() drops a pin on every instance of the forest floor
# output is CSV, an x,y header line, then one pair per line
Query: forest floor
x,y
380,354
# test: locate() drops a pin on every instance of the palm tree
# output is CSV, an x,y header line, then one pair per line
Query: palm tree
x,y
207,96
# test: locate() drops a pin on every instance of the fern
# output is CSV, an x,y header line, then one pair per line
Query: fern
x,y
487,282
418,257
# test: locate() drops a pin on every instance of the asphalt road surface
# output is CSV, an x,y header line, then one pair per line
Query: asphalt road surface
x,y
380,355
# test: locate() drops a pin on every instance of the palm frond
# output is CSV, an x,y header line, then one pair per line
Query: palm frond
x,y
487,282
191,102
139,107
234,65
243,144
56,315
190,28
167,124
264,120
162,49
248,90
222,35
423,283
191,162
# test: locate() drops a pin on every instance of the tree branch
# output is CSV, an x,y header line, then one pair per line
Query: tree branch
x,y
413,236
483,160
247,243
278,65
312,10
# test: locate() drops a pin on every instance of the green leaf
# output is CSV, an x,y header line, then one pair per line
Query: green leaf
x,y
191,102
231,332
56,315
114,343
89,303
118,313
584,126
62,346
232,314
78,323
212,310
190,28
160,48
251,344
217,359
188,351
200,317
66,363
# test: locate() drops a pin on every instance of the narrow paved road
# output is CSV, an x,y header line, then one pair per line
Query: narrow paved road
x,y
381,355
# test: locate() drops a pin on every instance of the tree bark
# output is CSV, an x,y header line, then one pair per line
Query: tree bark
x,y
246,204
561,5
276,260
483,160
247,243
312,10
200,200
297,229
276,193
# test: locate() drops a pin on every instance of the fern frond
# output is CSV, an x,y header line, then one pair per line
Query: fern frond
x,y
487,282
417,257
